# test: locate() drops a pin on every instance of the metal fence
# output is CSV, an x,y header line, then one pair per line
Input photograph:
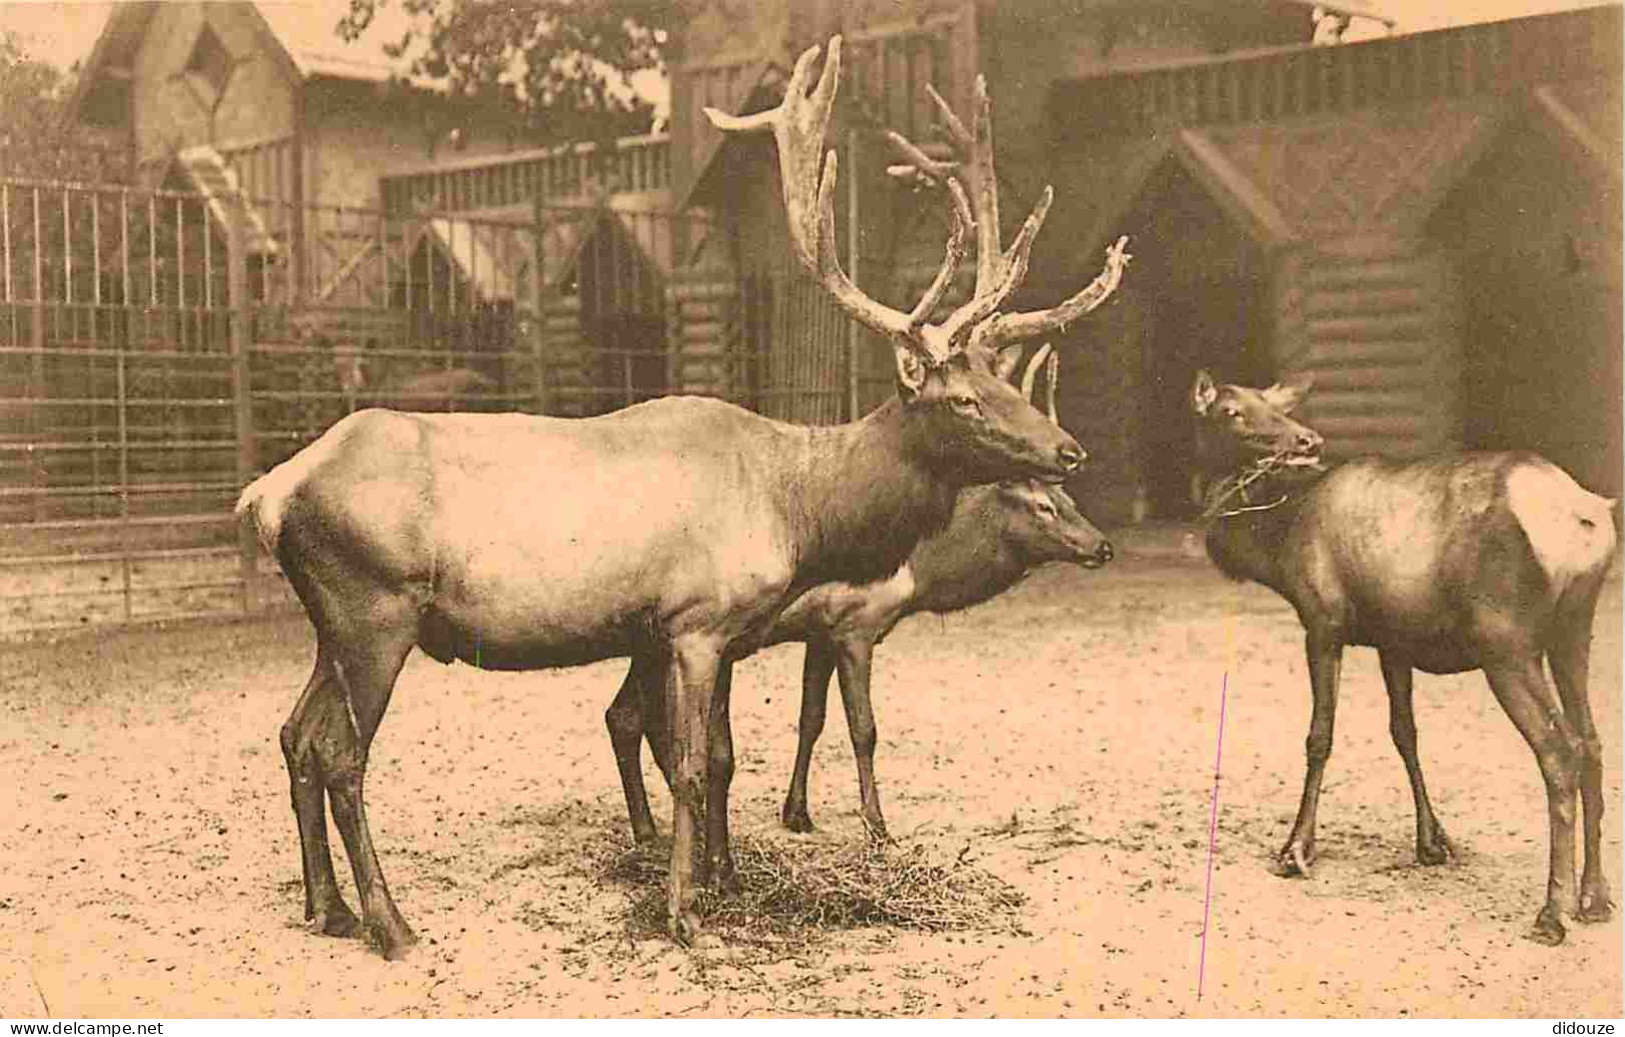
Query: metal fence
x,y
159,349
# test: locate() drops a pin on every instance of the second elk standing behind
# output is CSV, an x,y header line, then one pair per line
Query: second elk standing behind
x,y
1462,562
998,534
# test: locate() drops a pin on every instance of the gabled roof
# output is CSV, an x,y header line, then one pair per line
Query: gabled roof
x,y
306,47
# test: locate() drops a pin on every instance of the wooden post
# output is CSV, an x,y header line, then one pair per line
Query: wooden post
x,y
241,385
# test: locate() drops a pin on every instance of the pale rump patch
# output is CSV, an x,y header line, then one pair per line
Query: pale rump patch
x,y
267,496
1570,529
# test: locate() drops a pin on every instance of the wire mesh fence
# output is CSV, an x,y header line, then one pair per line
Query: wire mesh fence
x,y
159,349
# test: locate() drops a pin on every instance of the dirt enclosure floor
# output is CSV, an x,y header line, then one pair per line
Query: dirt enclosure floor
x,y
1062,736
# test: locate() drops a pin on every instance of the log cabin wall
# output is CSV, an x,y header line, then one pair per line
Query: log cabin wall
x,y
1431,211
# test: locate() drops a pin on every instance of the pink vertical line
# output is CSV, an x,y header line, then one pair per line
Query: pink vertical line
x,y
1212,836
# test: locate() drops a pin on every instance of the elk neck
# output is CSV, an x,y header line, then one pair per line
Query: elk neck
x,y
971,560
867,494
1247,533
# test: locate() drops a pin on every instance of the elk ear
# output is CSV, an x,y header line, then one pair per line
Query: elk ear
x,y
910,372
1006,360
1203,393
1285,396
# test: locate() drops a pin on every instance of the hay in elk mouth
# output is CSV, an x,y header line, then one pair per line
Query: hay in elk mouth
x,y
793,888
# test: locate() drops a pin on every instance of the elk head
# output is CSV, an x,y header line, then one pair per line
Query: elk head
x,y
1042,521
1239,427
952,376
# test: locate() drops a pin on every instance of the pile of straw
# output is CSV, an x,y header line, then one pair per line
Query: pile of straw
x,y
794,887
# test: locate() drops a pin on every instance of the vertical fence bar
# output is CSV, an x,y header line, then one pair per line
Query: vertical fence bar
x,y
247,462
538,293
180,264
5,233
208,262
152,255
383,263
852,342
124,409
36,342
67,252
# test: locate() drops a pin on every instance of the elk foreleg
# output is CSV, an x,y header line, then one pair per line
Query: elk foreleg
x,y
1520,687
816,669
625,720
1432,845
852,661
1325,654
323,903
690,679
365,679
1570,656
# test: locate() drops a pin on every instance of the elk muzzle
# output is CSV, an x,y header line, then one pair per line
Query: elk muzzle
x,y
1099,557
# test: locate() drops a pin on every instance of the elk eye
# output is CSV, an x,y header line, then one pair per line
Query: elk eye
x,y
1046,509
1232,413
966,403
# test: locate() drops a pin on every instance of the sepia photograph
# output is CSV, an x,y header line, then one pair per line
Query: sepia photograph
x,y
467,441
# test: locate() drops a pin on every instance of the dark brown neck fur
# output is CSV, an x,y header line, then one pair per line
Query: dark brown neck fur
x,y
970,561
868,494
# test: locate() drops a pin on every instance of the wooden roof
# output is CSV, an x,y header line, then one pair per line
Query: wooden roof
x,y
303,46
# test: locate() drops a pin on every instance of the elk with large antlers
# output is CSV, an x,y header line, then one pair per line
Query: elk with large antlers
x,y
998,534
680,527
1480,561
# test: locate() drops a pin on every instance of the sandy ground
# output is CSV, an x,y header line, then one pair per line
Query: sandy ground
x,y
1064,733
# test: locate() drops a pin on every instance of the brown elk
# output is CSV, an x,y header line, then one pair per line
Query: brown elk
x,y
998,534
680,526
1486,561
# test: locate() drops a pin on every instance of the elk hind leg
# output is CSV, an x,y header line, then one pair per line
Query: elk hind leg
x,y
719,860
1570,656
1432,845
625,720
365,678
1520,687
323,903
817,667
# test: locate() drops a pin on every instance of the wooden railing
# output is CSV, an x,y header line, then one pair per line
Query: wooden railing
x,y
568,171
1488,58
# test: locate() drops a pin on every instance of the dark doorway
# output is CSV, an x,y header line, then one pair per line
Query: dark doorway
x,y
1541,288
1208,308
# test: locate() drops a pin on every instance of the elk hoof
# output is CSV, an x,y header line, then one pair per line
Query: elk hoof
x,y
688,932
647,836
1437,850
728,882
338,920
1594,907
1294,861
394,940
1548,930
796,819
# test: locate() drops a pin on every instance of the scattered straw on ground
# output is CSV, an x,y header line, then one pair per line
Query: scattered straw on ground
x,y
793,888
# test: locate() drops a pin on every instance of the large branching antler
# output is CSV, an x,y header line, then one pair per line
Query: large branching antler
x,y
999,271
809,176
799,124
